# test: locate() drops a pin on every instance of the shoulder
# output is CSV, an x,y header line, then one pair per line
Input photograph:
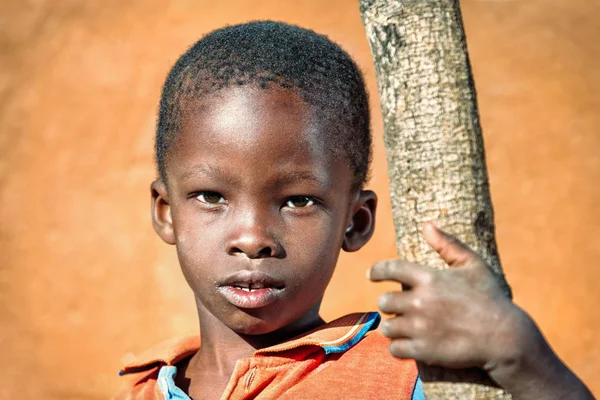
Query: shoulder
x,y
365,371
373,355
139,373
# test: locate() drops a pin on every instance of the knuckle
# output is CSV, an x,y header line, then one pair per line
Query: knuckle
x,y
389,267
382,269
420,325
384,301
416,303
420,348
428,278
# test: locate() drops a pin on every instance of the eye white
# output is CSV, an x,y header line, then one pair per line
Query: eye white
x,y
291,202
209,197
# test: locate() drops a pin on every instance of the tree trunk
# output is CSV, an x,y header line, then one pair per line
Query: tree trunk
x,y
434,147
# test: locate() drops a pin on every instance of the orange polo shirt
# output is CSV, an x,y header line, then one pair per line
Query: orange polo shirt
x,y
338,360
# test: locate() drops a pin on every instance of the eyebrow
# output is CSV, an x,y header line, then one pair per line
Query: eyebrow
x,y
296,177
204,170
289,179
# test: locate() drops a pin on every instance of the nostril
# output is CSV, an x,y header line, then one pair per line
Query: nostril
x,y
235,250
254,244
265,252
262,253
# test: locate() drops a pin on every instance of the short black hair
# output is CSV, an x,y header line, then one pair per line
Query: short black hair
x,y
264,53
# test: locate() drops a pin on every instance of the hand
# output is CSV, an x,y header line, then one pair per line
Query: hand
x,y
461,318
449,318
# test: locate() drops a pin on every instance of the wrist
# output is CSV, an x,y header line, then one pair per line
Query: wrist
x,y
527,367
520,349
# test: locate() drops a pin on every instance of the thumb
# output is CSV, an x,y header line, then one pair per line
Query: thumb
x,y
453,252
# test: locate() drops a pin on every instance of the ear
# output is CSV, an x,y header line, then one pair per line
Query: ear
x,y
161,212
362,221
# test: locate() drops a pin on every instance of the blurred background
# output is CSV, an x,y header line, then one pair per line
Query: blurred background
x,y
83,277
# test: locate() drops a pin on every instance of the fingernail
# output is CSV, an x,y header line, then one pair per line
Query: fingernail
x,y
369,274
429,226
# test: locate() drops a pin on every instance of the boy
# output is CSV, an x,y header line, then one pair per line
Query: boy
x,y
263,150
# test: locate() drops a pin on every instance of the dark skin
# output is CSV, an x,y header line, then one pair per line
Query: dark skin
x,y
461,318
251,187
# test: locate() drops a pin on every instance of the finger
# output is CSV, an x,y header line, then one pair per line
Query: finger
x,y
399,271
452,251
397,327
403,348
394,302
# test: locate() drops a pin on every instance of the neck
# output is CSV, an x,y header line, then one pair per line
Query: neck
x,y
222,347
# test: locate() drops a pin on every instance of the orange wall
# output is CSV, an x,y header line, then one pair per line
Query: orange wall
x,y
83,278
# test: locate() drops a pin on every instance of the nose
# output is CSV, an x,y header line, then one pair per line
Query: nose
x,y
254,240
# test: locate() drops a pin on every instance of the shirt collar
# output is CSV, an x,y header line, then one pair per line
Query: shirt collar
x,y
334,337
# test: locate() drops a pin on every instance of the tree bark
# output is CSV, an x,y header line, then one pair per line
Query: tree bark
x,y
434,147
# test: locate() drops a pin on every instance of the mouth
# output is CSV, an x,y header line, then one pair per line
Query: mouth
x,y
250,286
251,289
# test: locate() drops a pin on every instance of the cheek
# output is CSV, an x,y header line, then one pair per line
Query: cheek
x,y
316,245
197,246
326,234
189,260
192,227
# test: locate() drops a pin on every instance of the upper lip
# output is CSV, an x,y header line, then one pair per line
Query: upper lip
x,y
252,279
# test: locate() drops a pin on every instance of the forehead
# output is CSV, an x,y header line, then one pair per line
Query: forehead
x,y
241,111
253,128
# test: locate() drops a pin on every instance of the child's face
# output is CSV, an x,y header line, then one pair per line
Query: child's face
x,y
257,207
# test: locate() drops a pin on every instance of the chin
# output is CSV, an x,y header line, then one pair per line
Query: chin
x,y
254,329
248,324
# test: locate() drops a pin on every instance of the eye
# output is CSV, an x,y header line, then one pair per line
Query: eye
x,y
299,202
210,198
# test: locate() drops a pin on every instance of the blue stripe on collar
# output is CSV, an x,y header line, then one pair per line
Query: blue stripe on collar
x,y
371,323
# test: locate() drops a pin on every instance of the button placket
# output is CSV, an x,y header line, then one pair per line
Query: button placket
x,y
250,378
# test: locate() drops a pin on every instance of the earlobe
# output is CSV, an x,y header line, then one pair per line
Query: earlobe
x,y
362,224
161,212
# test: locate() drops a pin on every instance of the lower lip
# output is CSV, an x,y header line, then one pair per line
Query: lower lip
x,y
254,299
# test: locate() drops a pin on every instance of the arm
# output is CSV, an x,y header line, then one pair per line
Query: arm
x,y
460,318
532,369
